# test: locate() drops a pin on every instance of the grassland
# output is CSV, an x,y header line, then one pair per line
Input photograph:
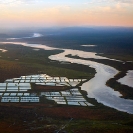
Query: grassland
x,y
20,60
36,118
118,56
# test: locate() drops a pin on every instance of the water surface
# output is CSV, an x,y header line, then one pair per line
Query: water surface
x,y
96,87
128,79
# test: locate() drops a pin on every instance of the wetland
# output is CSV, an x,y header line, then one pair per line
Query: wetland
x,y
101,103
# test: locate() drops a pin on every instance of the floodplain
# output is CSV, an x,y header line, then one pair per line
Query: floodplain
x,y
32,101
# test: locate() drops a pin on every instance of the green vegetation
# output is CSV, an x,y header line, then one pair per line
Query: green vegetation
x,y
20,60
36,118
98,126
118,56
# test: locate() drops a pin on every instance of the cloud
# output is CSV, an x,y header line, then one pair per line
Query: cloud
x,y
124,1
108,2
67,12
6,2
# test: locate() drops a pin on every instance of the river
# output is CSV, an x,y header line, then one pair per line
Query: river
x,y
96,87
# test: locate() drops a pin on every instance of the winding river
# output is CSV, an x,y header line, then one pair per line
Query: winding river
x,y
96,87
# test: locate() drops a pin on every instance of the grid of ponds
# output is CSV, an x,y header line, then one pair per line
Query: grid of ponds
x,y
19,99
15,90
14,87
70,97
44,79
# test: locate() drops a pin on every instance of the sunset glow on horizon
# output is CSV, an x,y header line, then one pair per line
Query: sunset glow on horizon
x,y
41,13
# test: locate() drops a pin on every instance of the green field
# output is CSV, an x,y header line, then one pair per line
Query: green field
x,y
20,60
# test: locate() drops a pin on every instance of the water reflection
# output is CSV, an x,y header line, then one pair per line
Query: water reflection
x,y
96,87
128,79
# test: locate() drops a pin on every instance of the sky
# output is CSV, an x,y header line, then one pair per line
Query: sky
x,y
48,13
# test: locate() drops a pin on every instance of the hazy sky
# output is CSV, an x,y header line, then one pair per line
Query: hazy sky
x,y
19,13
